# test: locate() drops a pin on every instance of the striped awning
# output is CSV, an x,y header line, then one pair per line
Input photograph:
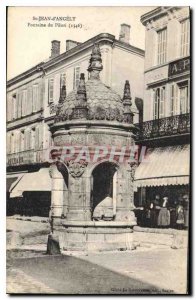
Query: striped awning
x,y
164,166
35,181
12,180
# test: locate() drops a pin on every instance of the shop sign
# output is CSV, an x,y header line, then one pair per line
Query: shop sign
x,y
179,66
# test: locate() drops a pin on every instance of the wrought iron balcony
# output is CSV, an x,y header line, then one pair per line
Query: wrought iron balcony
x,y
164,127
26,157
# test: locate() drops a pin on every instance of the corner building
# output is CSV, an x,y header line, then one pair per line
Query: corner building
x,y
165,130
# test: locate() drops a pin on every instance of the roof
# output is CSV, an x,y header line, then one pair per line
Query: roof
x,y
102,102
105,37
156,13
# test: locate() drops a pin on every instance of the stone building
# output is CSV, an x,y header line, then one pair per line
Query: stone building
x,y
92,199
32,100
165,130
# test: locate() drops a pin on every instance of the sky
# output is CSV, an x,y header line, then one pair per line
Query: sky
x,y
28,45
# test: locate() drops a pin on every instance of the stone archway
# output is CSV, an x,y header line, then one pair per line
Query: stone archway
x,y
103,191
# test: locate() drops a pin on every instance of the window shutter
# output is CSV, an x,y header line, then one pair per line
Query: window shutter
x,y
21,141
41,137
56,88
37,138
30,99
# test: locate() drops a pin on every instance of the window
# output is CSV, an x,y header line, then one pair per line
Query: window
x,y
162,46
173,100
185,38
24,102
179,98
12,143
51,90
76,77
8,143
33,138
22,142
19,110
35,97
14,107
63,84
184,97
159,103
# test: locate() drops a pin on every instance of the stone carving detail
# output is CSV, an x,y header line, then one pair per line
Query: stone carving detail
x,y
111,114
78,139
53,108
133,166
76,169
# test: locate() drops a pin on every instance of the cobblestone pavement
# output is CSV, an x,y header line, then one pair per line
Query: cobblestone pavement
x,y
19,282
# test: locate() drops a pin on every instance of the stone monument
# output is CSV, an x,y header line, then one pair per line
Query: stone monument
x,y
92,174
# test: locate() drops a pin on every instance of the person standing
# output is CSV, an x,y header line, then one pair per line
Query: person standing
x,y
180,214
186,211
164,214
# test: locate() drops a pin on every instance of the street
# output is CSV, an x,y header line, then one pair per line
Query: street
x,y
158,271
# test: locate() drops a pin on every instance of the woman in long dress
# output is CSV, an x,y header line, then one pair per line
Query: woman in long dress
x,y
164,214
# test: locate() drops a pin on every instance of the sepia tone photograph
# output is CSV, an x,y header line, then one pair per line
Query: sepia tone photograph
x,y
98,191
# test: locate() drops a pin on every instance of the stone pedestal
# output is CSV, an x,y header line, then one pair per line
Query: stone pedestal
x,y
95,236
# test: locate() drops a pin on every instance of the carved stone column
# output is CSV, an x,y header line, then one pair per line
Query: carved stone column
x,y
57,191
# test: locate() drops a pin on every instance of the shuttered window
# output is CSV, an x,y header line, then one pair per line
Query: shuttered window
x,y
76,77
24,102
50,90
185,38
162,46
22,143
184,98
14,107
35,97
33,138
159,103
19,108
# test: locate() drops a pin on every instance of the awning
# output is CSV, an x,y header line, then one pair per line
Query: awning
x,y
12,180
164,166
35,181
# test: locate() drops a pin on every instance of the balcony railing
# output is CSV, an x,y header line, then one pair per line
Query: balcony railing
x,y
27,157
169,126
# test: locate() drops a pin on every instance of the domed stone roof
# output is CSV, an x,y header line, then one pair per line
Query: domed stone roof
x,y
102,102
93,100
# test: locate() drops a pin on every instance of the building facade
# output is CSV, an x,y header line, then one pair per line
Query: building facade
x,y
32,101
165,129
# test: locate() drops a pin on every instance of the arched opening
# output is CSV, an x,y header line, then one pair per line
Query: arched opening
x,y
103,191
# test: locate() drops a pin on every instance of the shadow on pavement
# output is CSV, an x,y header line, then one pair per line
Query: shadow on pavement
x,y
72,275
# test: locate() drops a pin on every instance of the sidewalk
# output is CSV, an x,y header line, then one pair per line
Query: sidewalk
x,y
21,232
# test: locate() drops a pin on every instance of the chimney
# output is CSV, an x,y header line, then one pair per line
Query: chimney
x,y
124,35
71,44
55,50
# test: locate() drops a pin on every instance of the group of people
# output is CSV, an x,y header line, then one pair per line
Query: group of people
x,y
164,214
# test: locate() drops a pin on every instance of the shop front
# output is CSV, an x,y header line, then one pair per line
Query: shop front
x,y
162,187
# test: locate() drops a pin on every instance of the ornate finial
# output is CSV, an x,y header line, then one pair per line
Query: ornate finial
x,y
62,94
95,63
81,90
80,110
128,115
127,91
